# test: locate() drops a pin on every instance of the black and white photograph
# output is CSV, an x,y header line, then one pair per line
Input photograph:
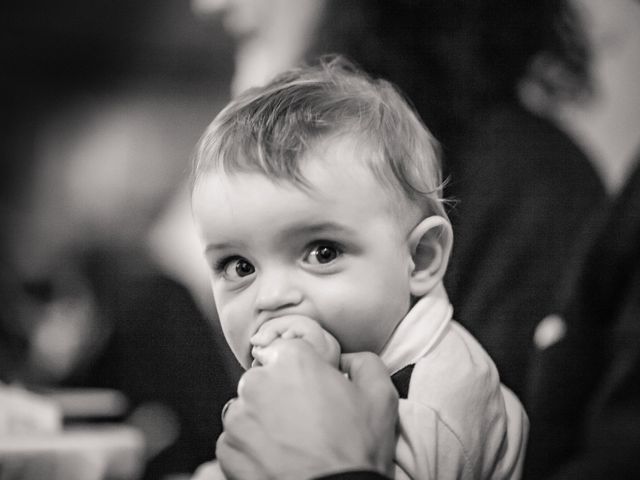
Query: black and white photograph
x,y
320,240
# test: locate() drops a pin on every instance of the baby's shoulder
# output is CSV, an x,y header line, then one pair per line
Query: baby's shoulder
x,y
457,374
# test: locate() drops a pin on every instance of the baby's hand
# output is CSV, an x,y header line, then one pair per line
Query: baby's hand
x,y
298,326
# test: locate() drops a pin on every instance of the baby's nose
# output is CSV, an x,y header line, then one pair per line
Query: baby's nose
x,y
277,291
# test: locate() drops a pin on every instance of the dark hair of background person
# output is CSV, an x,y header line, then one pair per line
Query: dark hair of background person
x,y
453,58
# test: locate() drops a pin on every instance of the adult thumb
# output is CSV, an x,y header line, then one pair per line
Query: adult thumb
x,y
367,372
378,400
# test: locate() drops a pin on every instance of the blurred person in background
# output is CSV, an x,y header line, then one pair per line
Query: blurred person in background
x,y
106,101
583,394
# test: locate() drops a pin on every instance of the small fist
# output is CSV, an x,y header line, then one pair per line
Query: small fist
x,y
298,326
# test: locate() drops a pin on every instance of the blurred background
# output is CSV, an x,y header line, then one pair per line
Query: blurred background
x,y
103,286
102,104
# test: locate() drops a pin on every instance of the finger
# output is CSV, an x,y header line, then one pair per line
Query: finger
x,y
208,471
370,376
232,413
267,333
235,459
287,352
293,333
225,408
237,424
367,371
266,355
249,383
221,444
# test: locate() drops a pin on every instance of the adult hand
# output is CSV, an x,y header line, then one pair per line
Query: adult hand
x,y
296,417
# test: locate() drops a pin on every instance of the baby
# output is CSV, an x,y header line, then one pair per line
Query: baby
x,y
318,198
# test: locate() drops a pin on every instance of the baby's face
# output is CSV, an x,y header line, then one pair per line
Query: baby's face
x,y
334,253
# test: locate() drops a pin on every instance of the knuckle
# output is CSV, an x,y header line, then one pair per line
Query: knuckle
x,y
231,436
392,399
293,352
275,325
228,412
285,350
226,406
385,386
368,357
221,444
248,382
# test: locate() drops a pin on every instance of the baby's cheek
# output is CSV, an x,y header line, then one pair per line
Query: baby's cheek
x,y
236,333
364,330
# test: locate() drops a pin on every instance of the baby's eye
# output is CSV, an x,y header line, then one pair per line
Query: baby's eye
x,y
323,253
237,267
243,268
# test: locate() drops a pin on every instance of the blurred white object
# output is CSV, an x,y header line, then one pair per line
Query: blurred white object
x,y
22,412
158,424
103,452
209,471
605,125
89,403
271,35
549,331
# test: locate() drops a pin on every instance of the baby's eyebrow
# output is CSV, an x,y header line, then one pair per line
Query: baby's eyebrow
x,y
315,229
219,246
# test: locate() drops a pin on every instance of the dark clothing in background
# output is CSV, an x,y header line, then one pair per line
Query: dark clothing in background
x,y
524,192
161,350
584,394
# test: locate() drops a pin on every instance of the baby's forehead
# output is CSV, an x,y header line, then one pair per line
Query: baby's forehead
x,y
339,190
254,209
350,159
351,156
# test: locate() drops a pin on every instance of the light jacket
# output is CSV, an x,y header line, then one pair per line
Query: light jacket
x,y
457,420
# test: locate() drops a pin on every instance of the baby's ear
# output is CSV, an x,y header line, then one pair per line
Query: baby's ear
x,y
430,242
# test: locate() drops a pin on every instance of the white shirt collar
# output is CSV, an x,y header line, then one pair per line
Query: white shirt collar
x,y
419,331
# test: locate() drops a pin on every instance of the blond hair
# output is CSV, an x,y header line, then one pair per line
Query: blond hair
x,y
269,129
